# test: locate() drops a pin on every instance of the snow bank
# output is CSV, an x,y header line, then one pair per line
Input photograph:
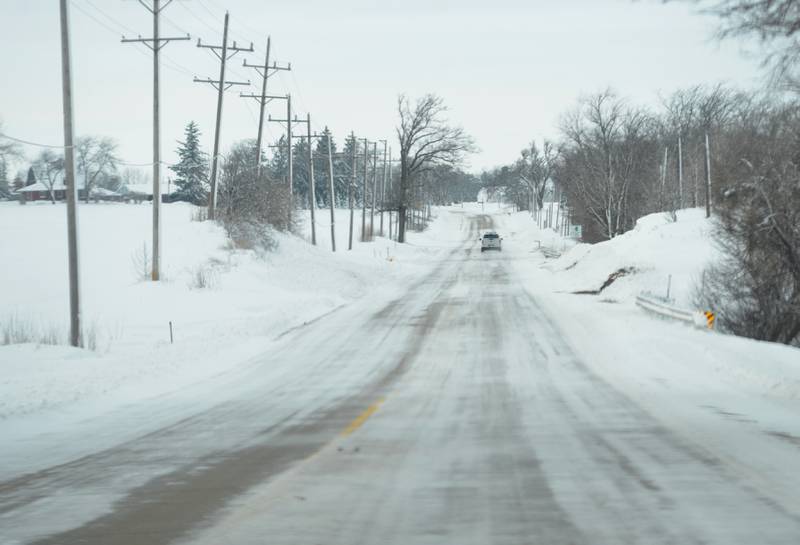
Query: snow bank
x,y
658,252
648,353
226,305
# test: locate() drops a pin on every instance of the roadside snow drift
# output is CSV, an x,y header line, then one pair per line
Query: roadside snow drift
x,y
225,305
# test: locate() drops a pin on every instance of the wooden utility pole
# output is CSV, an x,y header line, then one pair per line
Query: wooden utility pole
x,y
708,178
352,186
155,44
680,173
383,182
312,191
374,190
664,174
364,195
290,151
221,86
263,99
390,192
331,190
69,178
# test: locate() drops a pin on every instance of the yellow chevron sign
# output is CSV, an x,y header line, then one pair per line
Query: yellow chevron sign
x,y
710,317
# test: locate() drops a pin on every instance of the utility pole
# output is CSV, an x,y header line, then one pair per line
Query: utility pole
x,y
312,192
263,99
155,44
364,194
69,177
664,172
680,173
383,183
351,187
390,192
374,190
708,178
290,151
221,86
331,190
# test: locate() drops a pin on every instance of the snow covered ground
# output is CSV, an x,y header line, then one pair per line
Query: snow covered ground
x,y
658,252
250,300
247,302
746,392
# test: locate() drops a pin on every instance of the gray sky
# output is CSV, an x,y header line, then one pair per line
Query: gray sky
x,y
506,68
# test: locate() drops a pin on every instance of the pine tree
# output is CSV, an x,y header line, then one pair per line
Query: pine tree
x,y
301,183
321,175
31,177
344,166
278,165
4,191
18,183
191,172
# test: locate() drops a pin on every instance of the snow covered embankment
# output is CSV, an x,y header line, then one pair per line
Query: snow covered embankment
x,y
711,382
226,305
737,396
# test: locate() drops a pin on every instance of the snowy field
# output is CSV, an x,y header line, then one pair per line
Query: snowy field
x,y
251,300
247,302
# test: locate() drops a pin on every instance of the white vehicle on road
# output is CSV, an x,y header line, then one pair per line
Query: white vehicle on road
x,y
491,241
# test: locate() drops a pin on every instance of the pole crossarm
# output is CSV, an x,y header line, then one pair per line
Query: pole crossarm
x,y
268,70
157,44
155,11
227,50
259,98
215,83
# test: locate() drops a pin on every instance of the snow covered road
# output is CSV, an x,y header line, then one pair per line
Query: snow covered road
x,y
457,413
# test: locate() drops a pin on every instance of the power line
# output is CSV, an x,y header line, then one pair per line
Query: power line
x,y
108,17
28,142
223,52
202,21
155,44
170,63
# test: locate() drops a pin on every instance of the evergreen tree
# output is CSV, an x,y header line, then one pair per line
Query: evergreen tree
x,y
31,177
344,167
321,175
4,191
18,183
191,172
301,182
278,165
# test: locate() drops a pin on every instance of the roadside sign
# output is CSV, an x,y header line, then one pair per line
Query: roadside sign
x,y
576,231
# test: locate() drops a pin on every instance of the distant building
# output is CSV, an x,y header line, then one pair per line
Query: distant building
x,y
41,192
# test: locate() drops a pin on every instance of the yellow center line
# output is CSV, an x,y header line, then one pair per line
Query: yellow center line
x,y
360,419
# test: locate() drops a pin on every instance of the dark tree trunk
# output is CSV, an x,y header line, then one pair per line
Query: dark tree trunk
x,y
401,223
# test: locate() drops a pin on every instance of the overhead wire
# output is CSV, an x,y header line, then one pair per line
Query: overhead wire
x,y
30,143
206,5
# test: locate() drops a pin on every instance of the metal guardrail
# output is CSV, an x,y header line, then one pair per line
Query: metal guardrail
x,y
662,307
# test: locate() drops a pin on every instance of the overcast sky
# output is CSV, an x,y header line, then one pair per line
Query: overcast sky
x,y
507,69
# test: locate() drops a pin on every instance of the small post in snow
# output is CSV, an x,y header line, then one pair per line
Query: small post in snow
x,y
171,338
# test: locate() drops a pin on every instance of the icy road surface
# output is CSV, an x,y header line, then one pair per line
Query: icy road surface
x,y
457,414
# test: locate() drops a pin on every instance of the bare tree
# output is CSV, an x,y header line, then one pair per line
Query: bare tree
x,y
755,286
426,140
775,23
251,203
608,151
96,159
9,149
49,169
535,167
